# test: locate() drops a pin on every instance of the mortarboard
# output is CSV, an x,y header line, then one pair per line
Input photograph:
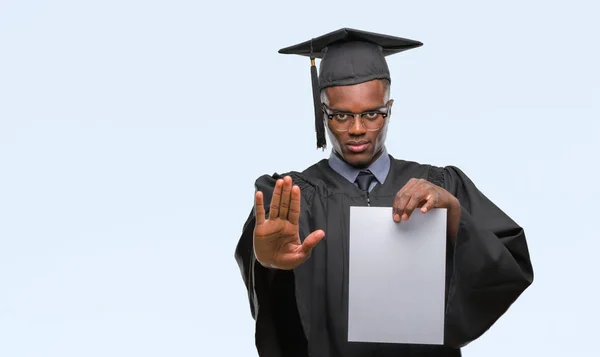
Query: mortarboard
x,y
348,56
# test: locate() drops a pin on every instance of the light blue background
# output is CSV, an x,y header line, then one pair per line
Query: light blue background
x,y
131,133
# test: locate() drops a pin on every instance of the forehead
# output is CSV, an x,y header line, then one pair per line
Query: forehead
x,y
357,97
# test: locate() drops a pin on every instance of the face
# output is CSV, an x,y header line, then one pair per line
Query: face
x,y
358,146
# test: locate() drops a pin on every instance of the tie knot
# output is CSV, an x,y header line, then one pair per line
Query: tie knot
x,y
364,179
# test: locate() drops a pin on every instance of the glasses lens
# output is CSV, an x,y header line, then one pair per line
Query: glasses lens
x,y
342,121
372,121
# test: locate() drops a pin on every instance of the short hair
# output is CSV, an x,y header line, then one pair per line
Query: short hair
x,y
386,84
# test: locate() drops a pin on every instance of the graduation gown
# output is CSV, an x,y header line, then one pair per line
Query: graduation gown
x,y
304,312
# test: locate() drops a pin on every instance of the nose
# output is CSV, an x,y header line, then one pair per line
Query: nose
x,y
357,127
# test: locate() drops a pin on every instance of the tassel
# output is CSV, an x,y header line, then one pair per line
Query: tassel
x,y
319,125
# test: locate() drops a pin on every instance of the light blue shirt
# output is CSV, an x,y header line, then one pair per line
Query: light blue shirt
x,y
379,168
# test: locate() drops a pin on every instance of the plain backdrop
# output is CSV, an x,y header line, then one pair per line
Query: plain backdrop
x,y
131,133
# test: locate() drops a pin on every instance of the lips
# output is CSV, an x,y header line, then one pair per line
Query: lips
x,y
357,146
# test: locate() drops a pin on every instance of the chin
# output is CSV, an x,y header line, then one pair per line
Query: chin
x,y
360,160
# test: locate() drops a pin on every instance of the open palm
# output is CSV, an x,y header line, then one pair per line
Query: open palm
x,y
276,239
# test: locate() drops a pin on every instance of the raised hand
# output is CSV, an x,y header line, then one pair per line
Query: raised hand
x,y
276,239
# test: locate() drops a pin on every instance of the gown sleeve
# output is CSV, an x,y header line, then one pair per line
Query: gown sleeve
x,y
490,265
271,292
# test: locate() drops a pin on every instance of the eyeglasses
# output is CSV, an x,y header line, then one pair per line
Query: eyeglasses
x,y
372,120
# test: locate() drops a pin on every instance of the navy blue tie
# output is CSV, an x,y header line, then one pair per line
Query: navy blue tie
x,y
364,180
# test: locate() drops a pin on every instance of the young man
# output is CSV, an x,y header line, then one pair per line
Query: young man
x,y
298,282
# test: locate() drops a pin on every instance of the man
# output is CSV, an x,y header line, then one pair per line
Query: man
x,y
293,251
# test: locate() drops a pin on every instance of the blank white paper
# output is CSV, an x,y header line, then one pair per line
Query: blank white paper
x,y
396,277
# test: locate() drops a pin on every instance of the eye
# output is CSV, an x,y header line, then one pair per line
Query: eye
x,y
341,116
371,116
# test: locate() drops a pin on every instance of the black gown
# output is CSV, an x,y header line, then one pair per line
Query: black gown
x,y
304,312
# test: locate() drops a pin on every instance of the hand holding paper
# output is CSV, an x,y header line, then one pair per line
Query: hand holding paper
x,y
420,193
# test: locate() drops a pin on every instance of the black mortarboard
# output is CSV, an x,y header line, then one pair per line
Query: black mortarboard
x,y
348,57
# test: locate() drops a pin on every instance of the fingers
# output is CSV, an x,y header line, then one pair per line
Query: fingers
x,y
431,201
416,193
311,241
402,201
275,200
282,200
416,199
402,198
294,214
259,208
286,193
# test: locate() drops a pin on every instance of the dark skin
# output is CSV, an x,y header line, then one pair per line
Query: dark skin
x,y
357,98
277,241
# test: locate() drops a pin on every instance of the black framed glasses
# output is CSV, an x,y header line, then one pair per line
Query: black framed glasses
x,y
372,120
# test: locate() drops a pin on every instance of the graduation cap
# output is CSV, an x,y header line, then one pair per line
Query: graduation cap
x,y
348,56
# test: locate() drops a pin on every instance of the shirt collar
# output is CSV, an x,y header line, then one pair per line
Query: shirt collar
x,y
379,167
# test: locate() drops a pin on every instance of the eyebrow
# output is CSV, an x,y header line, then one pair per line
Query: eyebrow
x,y
349,112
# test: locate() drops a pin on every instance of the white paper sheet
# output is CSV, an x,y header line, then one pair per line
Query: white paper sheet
x,y
396,277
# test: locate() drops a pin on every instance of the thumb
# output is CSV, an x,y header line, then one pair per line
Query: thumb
x,y
312,240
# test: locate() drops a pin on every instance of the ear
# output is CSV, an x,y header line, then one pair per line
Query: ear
x,y
390,111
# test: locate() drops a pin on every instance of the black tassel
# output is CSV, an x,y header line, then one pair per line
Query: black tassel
x,y
319,125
